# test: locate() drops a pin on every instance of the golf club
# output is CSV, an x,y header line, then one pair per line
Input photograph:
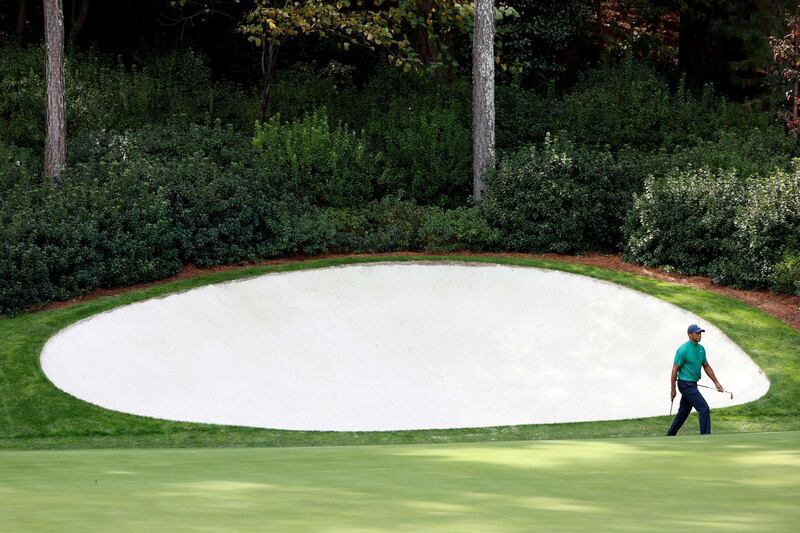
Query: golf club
x,y
672,401
714,388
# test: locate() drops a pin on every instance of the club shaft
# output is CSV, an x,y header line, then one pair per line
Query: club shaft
x,y
714,388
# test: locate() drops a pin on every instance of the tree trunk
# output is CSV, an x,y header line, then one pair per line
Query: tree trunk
x,y
419,36
56,130
22,15
482,94
269,57
78,21
794,100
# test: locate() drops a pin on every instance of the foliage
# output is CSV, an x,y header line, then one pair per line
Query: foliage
x,y
328,166
629,104
419,127
559,197
106,94
462,228
22,100
394,27
716,223
767,227
136,207
786,53
750,152
786,274
427,149
524,117
681,220
391,224
534,41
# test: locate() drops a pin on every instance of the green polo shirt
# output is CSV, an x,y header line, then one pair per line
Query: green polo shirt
x,y
690,357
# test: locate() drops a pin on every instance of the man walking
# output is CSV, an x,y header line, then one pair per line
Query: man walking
x,y
689,358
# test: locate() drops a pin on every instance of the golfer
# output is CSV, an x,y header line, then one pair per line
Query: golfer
x,y
689,358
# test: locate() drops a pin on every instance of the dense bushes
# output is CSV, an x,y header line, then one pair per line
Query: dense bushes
x,y
136,206
421,128
739,231
153,184
629,104
394,224
424,130
135,212
105,94
683,219
786,277
328,166
559,198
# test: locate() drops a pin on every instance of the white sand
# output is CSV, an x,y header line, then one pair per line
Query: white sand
x,y
392,346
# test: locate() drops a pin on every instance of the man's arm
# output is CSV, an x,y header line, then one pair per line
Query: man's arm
x,y
672,381
710,373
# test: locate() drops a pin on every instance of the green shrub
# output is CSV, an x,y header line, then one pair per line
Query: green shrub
x,y
786,274
66,238
617,105
138,207
386,225
559,198
767,226
419,125
629,104
751,152
22,100
329,166
524,117
715,223
426,140
299,90
462,228
105,94
16,165
683,219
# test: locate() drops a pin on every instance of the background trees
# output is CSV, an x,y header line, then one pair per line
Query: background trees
x,y
367,142
482,95
55,123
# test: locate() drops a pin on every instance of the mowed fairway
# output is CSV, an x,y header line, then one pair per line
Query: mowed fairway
x,y
736,482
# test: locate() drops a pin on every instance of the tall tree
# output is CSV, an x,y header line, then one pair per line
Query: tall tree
x,y
483,126
56,129
411,33
22,15
78,17
786,51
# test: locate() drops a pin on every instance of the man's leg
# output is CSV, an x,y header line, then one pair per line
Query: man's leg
x,y
683,413
699,403
705,414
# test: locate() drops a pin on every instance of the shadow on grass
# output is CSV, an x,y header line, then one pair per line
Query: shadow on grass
x,y
728,482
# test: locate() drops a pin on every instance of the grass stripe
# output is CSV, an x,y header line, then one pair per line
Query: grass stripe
x,y
734,482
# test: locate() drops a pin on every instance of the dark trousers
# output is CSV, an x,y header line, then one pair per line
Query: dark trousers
x,y
691,397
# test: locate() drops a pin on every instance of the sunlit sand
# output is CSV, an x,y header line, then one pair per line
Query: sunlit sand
x,y
389,347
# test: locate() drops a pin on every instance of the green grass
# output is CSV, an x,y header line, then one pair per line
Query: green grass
x,y
734,482
36,415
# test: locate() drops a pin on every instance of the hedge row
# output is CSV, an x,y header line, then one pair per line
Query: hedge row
x,y
739,231
136,207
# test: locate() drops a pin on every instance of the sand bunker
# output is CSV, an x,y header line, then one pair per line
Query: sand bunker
x,y
392,346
